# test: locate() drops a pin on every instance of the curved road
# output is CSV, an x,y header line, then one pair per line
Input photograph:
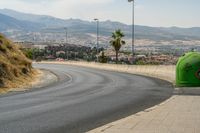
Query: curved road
x,y
81,100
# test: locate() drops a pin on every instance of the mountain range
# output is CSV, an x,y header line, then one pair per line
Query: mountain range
x,y
23,23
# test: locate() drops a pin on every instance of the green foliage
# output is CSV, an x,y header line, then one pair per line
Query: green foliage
x,y
117,41
61,55
3,48
103,58
28,53
140,62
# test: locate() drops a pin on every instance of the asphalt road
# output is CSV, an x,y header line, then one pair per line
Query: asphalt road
x,y
81,100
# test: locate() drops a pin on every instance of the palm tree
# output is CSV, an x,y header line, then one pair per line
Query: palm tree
x,y
117,41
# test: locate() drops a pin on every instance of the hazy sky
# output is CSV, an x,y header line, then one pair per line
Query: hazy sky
x,y
182,13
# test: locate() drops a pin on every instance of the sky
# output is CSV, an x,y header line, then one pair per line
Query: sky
x,y
157,13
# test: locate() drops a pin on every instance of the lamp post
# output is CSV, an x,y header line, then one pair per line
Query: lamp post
x,y
66,51
66,32
97,20
133,28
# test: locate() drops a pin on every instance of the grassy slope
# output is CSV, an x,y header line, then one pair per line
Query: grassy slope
x,y
15,69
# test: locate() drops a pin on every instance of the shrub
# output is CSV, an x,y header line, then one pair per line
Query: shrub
x,y
3,48
24,70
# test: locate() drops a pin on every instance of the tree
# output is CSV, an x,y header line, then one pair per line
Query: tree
x,y
117,41
103,58
28,53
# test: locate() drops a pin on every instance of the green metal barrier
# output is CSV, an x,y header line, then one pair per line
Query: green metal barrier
x,y
188,70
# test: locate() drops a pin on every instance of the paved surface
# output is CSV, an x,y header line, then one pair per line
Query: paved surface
x,y
81,100
179,114
47,78
165,72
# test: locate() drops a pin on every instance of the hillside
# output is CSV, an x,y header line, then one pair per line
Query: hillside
x,y
15,68
24,27
10,23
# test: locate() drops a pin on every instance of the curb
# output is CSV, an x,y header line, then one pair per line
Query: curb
x,y
187,91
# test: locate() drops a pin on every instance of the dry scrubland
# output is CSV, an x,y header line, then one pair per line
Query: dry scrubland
x,y
15,69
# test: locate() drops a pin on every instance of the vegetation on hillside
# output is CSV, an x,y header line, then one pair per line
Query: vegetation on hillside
x,y
28,53
14,65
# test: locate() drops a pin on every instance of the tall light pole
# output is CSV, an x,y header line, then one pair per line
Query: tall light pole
x,y
97,20
133,28
66,32
66,41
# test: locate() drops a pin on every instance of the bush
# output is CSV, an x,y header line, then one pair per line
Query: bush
x,y
1,83
140,62
1,42
15,72
28,53
3,48
103,58
24,70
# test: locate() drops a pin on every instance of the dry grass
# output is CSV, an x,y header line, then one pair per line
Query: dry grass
x,y
22,82
15,69
164,72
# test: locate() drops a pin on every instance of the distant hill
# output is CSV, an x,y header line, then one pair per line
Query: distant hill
x,y
79,28
10,23
48,21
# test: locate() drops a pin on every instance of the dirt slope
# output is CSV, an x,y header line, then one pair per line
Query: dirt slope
x,y
15,69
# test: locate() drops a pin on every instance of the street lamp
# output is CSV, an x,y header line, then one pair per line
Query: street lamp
x,y
66,51
66,30
97,20
133,29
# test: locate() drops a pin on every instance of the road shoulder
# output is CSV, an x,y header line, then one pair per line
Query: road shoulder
x,y
43,78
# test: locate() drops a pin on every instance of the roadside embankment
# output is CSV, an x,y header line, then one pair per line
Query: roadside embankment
x,y
16,71
39,79
15,68
157,71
